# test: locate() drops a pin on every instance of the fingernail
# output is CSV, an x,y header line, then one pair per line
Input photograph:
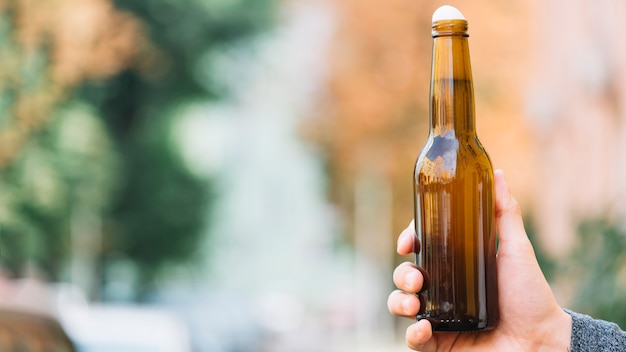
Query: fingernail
x,y
501,173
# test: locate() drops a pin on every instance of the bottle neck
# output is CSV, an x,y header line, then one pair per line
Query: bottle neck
x,y
451,90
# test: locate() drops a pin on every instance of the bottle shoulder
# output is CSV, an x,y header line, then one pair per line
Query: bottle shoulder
x,y
437,145
450,154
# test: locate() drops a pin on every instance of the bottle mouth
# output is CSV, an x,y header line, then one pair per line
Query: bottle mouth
x,y
448,28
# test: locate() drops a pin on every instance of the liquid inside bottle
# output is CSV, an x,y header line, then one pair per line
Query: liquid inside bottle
x,y
454,200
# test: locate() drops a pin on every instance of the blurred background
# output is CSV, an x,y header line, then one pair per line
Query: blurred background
x,y
231,175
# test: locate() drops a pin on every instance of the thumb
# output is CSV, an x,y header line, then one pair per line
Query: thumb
x,y
508,216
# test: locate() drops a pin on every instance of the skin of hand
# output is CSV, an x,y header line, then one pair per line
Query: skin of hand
x,y
530,317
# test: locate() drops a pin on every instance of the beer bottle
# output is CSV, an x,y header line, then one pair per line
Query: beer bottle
x,y
454,193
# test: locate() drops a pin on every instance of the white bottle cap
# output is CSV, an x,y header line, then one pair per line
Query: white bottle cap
x,y
447,12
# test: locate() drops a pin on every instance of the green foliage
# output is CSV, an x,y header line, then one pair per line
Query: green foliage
x,y
162,208
68,166
160,215
106,151
185,32
599,263
594,272
55,158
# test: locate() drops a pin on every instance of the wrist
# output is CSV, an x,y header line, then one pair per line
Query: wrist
x,y
558,333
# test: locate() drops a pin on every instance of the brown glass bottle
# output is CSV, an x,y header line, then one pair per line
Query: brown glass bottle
x,y
454,196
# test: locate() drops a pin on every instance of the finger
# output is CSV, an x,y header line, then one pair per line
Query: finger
x,y
408,277
403,304
408,242
419,336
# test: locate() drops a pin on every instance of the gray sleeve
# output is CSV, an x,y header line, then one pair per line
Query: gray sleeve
x,y
589,334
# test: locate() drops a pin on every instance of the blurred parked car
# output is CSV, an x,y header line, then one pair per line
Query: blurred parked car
x,y
125,328
36,316
23,331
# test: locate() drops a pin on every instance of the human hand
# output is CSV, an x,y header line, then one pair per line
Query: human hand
x,y
530,318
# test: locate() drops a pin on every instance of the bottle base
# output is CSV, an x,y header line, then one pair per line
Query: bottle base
x,y
457,324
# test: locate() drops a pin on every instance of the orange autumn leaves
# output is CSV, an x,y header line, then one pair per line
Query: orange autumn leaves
x,y
52,46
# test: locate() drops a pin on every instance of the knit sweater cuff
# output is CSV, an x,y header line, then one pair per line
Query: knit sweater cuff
x,y
589,334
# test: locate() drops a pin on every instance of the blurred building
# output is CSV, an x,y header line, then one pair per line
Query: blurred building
x,y
575,97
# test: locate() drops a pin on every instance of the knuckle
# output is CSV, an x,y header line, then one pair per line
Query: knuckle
x,y
400,272
403,304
